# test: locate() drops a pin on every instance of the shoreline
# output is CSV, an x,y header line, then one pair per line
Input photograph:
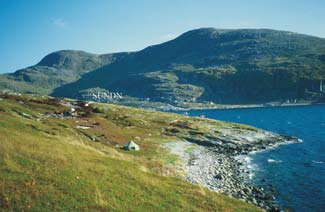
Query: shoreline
x,y
230,107
226,170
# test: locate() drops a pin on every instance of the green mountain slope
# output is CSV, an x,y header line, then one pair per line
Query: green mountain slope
x,y
55,70
243,66
48,163
223,66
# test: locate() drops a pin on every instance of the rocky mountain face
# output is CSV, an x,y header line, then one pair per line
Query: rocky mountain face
x,y
205,65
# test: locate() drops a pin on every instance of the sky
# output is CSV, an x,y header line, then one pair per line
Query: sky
x,y
31,29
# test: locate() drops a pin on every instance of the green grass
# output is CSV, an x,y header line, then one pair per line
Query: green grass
x,y
190,149
50,165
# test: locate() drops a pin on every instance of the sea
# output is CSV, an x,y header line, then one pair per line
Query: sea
x,y
295,171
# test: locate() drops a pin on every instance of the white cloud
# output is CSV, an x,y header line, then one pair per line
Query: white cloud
x,y
58,22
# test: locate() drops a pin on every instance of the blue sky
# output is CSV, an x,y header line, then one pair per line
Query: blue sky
x,y
31,29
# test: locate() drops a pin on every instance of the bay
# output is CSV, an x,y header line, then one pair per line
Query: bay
x,y
297,171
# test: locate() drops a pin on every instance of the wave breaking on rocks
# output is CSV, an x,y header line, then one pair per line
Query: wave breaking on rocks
x,y
225,166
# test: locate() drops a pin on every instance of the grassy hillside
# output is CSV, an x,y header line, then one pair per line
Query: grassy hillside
x,y
54,70
47,163
241,66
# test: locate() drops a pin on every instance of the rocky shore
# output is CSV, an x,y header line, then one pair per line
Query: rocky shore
x,y
224,167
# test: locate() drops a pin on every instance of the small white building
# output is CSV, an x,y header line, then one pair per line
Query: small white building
x,y
132,146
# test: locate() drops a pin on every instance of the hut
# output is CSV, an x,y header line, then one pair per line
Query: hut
x,y
132,146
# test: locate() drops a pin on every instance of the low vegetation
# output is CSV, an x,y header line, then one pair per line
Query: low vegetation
x,y
47,163
202,66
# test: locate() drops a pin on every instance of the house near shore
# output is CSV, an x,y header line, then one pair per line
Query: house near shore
x,y
131,146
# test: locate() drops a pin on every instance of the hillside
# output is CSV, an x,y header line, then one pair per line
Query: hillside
x,y
48,162
221,66
54,70
242,66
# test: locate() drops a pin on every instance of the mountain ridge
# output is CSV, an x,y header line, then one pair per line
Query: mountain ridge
x,y
224,66
54,70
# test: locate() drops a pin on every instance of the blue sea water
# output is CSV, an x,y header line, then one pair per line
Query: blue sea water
x,y
297,170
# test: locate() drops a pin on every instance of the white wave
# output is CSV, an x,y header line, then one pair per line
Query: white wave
x,y
247,159
273,161
319,162
250,176
243,158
